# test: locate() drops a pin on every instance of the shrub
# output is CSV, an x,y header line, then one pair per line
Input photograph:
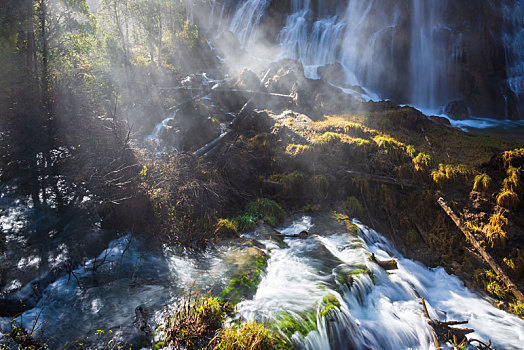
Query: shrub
x,y
482,183
293,183
354,207
245,222
268,210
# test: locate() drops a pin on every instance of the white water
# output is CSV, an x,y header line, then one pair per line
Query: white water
x,y
381,312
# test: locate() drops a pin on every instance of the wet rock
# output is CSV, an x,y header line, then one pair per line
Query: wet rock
x,y
333,74
457,110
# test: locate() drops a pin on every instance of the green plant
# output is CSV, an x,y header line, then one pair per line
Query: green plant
x,y
268,210
246,281
482,183
249,336
226,228
508,199
495,230
354,207
422,162
329,304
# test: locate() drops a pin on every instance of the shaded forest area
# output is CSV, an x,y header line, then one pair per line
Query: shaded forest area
x,y
76,86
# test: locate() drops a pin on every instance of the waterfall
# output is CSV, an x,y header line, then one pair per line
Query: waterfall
x,y
246,19
513,41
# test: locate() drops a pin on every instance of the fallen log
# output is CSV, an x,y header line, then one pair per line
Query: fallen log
x,y
244,111
385,264
483,253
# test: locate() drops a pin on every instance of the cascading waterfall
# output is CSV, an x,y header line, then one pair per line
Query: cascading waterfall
x,y
430,58
514,44
364,37
245,21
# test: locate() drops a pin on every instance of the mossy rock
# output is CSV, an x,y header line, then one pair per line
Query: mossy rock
x,y
251,264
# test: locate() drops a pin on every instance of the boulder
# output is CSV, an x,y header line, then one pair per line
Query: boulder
x,y
457,109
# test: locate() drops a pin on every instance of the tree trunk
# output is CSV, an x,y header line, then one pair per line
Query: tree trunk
x,y
45,57
160,34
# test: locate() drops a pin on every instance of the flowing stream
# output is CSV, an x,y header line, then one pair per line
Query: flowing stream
x,y
378,309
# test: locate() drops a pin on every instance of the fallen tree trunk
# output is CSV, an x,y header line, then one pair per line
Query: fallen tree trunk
x,y
485,255
244,111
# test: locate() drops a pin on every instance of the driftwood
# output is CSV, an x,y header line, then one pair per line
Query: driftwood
x,y
385,264
455,336
485,255
433,334
384,179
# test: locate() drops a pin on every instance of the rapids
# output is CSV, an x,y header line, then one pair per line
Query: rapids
x,y
378,310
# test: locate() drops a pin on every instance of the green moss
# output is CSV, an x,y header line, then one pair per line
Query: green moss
x,y
159,345
245,282
302,323
329,303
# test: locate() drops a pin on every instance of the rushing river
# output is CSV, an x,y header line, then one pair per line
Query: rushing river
x,y
379,310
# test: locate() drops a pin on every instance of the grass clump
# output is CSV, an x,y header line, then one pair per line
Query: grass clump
x,y
194,321
448,174
518,308
495,230
249,336
482,183
226,228
329,303
422,162
295,150
328,139
491,283
268,210
508,199
321,186
293,183
354,207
